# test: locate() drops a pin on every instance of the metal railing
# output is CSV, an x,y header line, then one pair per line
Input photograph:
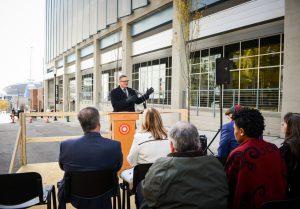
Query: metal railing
x,y
268,99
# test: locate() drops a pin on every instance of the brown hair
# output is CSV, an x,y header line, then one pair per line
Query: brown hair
x,y
292,134
152,123
88,118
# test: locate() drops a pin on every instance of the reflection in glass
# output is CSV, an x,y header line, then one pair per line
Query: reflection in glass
x,y
270,44
234,80
249,62
195,80
232,51
204,81
269,60
235,63
195,57
269,78
249,48
195,68
248,79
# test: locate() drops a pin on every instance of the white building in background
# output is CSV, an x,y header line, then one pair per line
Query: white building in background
x,y
18,94
89,43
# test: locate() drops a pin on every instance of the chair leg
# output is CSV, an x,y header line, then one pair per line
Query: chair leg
x,y
128,196
123,187
119,198
114,202
54,198
49,200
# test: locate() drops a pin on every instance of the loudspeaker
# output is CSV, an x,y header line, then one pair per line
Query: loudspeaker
x,y
223,67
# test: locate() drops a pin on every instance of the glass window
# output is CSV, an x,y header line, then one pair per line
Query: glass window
x,y
195,57
72,89
269,78
87,87
248,79
249,48
249,62
232,51
270,44
109,81
256,75
156,74
269,60
195,80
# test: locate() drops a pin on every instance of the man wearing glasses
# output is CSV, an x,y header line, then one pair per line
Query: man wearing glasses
x,y
124,98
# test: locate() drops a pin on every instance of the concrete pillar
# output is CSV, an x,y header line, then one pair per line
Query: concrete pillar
x,y
126,51
78,78
46,95
65,87
291,72
96,74
179,69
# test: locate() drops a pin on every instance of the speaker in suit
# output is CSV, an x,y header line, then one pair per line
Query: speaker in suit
x,y
124,98
87,153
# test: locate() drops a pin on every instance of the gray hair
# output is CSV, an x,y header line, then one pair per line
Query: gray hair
x,y
122,76
88,118
185,137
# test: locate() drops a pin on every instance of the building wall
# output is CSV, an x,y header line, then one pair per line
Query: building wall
x,y
36,99
137,44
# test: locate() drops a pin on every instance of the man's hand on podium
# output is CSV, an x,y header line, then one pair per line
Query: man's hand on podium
x,y
131,99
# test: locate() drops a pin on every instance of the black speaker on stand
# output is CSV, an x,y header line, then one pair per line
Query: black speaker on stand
x,y
223,66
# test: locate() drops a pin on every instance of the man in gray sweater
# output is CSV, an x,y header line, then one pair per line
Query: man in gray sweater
x,y
186,178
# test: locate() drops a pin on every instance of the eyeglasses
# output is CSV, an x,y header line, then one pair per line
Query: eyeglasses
x,y
125,81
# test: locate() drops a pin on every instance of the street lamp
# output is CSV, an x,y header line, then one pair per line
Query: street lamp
x,y
55,93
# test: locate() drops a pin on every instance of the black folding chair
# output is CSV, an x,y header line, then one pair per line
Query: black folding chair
x,y
23,190
282,204
139,173
92,184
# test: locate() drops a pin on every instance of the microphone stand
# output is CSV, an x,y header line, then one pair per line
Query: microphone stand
x,y
143,96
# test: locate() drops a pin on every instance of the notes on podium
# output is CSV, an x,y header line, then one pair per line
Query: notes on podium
x,y
123,130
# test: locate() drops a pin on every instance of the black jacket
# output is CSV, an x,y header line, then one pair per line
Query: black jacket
x,y
118,100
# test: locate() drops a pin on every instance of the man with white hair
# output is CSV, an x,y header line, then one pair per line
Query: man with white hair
x,y
186,178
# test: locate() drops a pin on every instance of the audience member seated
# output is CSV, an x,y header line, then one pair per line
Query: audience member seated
x,y
227,139
151,142
291,152
185,178
90,152
255,169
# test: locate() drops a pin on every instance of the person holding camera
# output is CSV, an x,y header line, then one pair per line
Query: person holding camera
x,y
124,98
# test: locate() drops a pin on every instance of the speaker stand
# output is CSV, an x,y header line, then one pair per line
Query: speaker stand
x,y
221,120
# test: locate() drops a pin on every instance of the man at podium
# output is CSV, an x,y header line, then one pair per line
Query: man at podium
x,y
124,98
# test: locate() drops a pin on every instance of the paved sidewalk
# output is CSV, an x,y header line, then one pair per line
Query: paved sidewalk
x,y
49,151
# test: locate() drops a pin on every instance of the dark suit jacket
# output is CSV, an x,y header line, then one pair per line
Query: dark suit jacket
x,y
227,140
89,152
118,100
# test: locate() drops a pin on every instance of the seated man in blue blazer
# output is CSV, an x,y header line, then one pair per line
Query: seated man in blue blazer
x,y
227,139
87,153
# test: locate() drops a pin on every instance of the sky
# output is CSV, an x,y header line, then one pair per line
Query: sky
x,y
21,40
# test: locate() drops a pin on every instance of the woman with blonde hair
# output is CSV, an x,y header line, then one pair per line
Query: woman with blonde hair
x,y
150,143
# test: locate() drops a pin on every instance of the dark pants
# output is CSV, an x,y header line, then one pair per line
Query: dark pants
x,y
139,198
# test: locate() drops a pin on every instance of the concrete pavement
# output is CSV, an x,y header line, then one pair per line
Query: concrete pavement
x,y
49,151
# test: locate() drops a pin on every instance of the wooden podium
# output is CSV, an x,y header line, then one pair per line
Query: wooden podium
x,y
123,130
